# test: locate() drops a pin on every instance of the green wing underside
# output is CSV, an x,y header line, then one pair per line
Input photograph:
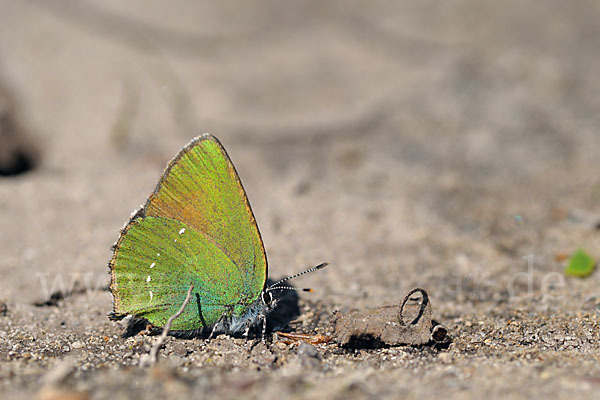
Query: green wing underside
x,y
219,248
201,188
156,261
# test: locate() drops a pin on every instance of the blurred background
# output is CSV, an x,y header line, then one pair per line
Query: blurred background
x,y
444,144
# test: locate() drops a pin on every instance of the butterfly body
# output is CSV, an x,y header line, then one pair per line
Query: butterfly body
x,y
197,227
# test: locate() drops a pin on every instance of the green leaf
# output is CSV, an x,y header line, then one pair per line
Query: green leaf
x,y
581,264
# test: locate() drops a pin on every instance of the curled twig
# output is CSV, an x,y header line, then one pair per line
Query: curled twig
x,y
409,323
151,357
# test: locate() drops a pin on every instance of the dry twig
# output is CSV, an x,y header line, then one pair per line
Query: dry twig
x,y
151,357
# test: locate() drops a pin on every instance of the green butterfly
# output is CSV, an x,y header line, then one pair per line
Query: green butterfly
x,y
197,228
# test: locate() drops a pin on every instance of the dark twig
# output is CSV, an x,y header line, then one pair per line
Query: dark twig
x,y
151,357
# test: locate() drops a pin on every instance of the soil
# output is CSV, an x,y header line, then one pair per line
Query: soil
x,y
449,145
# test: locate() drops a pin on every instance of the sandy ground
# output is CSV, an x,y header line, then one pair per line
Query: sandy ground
x,y
449,145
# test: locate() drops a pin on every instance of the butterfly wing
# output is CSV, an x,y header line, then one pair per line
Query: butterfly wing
x,y
224,256
156,261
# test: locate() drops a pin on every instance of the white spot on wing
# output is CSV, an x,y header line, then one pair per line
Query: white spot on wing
x,y
152,265
148,279
181,231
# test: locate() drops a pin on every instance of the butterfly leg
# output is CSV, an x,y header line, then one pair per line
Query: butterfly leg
x,y
214,329
264,326
221,320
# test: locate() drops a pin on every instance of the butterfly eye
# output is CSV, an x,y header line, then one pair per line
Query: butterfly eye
x,y
267,297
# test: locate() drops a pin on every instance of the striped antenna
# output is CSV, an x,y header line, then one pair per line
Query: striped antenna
x,y
276,286
290,288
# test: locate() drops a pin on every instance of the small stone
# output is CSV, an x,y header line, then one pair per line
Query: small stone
x,y
445,358
77,345
50,393
309,355
179,349
281,345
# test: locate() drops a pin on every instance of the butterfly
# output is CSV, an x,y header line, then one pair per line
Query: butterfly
x,y
196,228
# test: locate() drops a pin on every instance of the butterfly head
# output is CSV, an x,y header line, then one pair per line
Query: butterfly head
x,y
267,297
263,306
267,294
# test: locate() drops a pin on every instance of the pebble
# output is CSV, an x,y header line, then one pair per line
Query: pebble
x,y
445,358
309,355
48,393
77,345
281,345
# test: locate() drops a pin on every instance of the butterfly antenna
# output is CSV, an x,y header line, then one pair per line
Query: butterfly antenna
x,y
290,288
276,284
